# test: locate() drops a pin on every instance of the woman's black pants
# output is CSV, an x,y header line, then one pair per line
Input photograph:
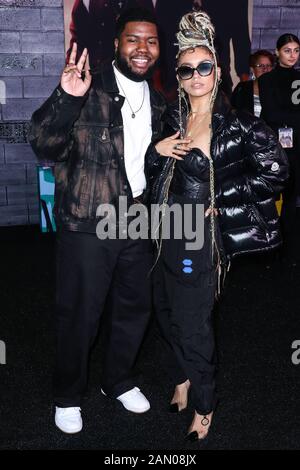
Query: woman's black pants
x,y
184,314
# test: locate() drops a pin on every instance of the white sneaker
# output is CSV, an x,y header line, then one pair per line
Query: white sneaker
x,y
68,419
134,400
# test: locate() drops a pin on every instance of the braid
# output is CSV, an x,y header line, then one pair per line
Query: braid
x,y
195,29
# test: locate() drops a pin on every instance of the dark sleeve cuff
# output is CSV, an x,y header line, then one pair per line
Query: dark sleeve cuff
x,y
66,107
64,98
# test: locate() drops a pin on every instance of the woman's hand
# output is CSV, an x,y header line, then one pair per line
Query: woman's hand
x,y
173,147
71,79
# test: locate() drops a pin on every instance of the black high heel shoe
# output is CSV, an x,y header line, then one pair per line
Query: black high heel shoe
x,y
193,436
174,408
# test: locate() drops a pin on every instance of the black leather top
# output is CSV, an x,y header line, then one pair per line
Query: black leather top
x,y
191,176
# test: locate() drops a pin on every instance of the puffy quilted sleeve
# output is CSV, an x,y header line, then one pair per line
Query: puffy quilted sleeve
x,y
256,166
265,159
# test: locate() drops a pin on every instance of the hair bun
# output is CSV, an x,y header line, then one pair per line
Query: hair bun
x,y
195,29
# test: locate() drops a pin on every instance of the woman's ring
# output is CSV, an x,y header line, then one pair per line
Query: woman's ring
x,y
177,147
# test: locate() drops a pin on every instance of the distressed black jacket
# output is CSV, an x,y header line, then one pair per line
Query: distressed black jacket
x,y
84,137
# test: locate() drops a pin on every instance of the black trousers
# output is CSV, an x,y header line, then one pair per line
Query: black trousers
x,y
183,301
90,274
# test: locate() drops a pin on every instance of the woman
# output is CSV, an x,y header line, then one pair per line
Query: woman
x,y
246,94
282,113
232,164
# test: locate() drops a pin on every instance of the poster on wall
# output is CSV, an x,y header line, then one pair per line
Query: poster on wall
x,y
91,24
46,191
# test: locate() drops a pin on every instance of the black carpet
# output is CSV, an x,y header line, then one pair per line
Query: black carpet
x,y
257,321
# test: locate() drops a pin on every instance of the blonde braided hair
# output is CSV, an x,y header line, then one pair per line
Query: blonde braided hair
x,y
197,30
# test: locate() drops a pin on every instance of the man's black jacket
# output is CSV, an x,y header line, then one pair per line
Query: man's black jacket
x,y
84,137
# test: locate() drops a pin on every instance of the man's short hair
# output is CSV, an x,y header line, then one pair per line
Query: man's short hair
x,y
134,14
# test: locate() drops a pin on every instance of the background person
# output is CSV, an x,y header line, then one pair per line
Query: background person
x,y
282,114
245,96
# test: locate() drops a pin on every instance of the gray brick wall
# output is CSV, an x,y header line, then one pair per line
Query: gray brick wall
x,y
271,18
31,59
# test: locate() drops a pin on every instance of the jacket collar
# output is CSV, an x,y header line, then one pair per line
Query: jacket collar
x,y
221,108
105,81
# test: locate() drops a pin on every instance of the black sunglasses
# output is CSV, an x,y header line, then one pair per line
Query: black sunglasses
x,y
205,68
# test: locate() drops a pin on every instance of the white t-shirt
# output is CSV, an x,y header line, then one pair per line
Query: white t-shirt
x,y
137,131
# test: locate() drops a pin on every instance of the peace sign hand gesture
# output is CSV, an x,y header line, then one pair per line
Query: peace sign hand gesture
x,y
71,79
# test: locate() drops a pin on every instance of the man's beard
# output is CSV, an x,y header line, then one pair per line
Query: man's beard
x,y
124,68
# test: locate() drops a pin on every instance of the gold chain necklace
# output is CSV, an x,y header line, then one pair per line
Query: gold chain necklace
x,y
190,133
133,113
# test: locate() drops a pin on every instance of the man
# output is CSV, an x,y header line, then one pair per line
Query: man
x,y
92,26
97,130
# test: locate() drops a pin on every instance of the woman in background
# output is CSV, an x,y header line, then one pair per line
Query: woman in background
x,y
246,94
281,111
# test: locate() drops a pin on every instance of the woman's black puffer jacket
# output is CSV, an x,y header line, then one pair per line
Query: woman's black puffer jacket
x,y
250,171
